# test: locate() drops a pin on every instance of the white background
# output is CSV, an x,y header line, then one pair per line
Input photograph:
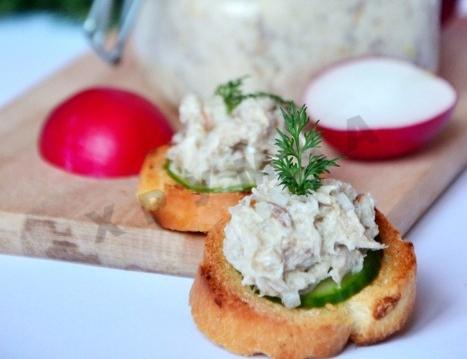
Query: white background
x,y
53,309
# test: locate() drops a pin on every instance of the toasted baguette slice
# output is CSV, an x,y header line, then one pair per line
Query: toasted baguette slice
x,y
234,317
179,208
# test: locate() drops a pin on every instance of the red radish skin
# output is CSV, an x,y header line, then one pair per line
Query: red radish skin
x,y
103,132
369,138
381,144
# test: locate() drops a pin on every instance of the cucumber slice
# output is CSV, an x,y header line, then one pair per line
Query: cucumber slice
x,y
329,291
244,187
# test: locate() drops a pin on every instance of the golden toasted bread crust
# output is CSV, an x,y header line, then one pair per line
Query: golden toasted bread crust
x,y
182,209
234,317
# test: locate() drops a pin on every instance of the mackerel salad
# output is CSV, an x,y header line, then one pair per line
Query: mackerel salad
x,y
285,244
224,145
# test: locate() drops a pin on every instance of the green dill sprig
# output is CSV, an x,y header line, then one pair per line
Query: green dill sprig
x,y
298,168
232,94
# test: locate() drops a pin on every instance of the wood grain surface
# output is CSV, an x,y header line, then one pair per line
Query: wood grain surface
x,y
45,212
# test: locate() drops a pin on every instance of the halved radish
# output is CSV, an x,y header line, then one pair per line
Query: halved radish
x,y
378,107
103,132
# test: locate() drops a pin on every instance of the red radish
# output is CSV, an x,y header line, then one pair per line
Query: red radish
x,y
103,132
378,107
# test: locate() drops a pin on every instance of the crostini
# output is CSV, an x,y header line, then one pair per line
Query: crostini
x,y
213,161
302,265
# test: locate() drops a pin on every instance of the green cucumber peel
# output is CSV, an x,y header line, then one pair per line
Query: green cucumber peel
x,y
245,187
329,292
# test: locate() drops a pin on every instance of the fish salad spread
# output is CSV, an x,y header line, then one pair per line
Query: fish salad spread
x,y
284,244
218,148
187,45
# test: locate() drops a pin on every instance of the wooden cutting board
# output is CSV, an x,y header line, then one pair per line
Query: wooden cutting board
x,y
45,212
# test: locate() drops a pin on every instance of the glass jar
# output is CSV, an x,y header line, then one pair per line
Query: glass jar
x,y
193,45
